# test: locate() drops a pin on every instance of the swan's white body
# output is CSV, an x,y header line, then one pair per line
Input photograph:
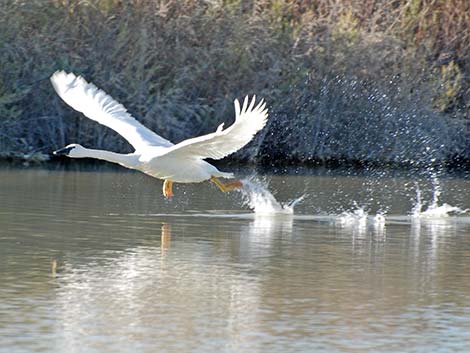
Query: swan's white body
x,y
154,155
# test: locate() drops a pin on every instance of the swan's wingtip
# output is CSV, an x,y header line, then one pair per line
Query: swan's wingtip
x,y
61,78
248,104
61,74
56,76
58,73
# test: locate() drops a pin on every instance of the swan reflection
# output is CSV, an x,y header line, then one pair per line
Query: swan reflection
x,y
205,284
165,238
174,284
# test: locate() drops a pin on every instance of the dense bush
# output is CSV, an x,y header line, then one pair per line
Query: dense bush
x,y
373,80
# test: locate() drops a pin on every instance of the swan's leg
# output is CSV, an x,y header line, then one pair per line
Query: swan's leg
x,y
226,187
167,188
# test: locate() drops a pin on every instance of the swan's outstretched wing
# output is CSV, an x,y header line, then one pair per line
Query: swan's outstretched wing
x,y
97,105
248,121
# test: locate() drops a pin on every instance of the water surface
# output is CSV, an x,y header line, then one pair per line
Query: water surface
x,y
100,262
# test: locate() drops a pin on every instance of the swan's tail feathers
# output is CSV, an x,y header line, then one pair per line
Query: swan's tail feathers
x,y
224,175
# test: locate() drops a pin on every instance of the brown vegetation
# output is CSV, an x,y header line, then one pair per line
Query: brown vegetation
x,y
372,80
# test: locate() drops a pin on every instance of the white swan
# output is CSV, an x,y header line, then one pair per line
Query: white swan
x,y
154,155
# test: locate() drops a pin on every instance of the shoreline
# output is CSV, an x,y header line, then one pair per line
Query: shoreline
x,y
284,166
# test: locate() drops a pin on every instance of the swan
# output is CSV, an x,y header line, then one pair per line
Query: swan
x,y
174,163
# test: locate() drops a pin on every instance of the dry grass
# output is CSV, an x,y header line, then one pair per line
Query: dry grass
x,y
371,80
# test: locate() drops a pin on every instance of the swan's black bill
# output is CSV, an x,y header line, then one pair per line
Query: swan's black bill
x,y
63,151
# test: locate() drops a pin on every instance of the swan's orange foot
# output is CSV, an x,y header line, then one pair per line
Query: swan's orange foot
x,y
226,187
234,185
168,188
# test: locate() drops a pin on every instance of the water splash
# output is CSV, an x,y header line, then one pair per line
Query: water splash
x,y
379,220
444,210
418,206
358,222
356,217
262,201
434,210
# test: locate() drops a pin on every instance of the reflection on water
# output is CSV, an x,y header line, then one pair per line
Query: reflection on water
x,y
99,262
166,238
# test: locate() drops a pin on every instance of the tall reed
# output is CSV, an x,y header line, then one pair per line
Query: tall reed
x,y
370,80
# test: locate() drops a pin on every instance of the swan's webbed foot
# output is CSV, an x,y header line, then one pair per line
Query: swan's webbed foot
x,y
168,188
226,187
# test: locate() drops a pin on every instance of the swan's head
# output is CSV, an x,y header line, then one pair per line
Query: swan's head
x,y
74,151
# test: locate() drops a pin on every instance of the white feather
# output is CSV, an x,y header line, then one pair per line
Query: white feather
x,y
97,105
155,155
248,121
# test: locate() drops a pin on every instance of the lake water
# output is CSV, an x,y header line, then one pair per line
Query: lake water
x,y
98,261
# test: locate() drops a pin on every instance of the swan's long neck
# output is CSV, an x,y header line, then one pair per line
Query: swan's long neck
x,y
127,160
